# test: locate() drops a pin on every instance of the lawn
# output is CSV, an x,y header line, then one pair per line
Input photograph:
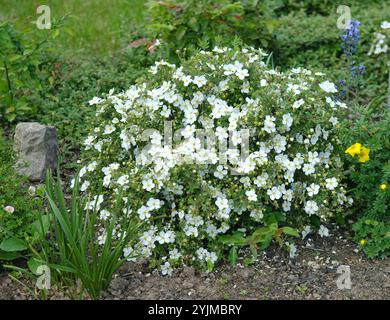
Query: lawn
x,y
93,27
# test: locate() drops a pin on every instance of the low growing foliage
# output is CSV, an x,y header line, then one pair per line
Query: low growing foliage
x,y
71,248
20,206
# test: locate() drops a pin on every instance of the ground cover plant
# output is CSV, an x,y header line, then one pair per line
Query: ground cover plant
x,y
20,207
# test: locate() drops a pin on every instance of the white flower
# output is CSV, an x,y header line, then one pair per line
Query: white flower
x,y
165,237
274,193
331,183
328,86
143,213
154,204
287,120
221,172
313,189
333,120
251,194
123,180
292,249
9,209
286,206
323,231
191,231
31,190
269,125
222,203
298,103
174,254
92,166
186,80
308,169
166,269
263,83
95,203
148,185
261,181
242,74
311,207
199,81
95,100
104,214
106,180
385,25
129,254
108,129
188,131
84,186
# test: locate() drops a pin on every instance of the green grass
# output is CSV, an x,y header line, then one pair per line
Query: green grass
x,y
95,27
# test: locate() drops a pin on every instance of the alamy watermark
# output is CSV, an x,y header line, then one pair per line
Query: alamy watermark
x,y
44,20
344,18
344,280
44,277
226,144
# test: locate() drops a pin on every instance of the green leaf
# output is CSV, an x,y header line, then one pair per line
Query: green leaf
x,y
236,238
12,245
15,57
290,231
55,33
41,226
233,256
9,256
33,265
249,261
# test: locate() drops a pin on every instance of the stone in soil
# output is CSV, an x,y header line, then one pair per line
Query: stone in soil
x,y
36,146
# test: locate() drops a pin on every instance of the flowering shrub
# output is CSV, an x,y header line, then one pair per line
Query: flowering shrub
x,y
251,146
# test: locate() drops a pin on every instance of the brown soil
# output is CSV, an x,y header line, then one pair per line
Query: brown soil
x,y
311,275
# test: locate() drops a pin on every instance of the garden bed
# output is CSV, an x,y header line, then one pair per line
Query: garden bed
x,y
311,275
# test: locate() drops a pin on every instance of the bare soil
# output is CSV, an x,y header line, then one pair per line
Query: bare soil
x,y
313,274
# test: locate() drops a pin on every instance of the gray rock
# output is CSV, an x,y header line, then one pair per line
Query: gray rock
x,y
37,149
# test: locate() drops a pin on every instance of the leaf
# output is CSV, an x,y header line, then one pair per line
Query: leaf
x,y
41,226
233,256
249,261
290,231
55,33
236,238
33,265
180,33
8,256
12,245
15,57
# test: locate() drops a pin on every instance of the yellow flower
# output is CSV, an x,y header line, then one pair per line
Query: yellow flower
x,y
354,149
364,155
362,242
383,186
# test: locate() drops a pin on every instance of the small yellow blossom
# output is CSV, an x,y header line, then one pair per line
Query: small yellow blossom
x,y
362,242
364,155
354,149
383,186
